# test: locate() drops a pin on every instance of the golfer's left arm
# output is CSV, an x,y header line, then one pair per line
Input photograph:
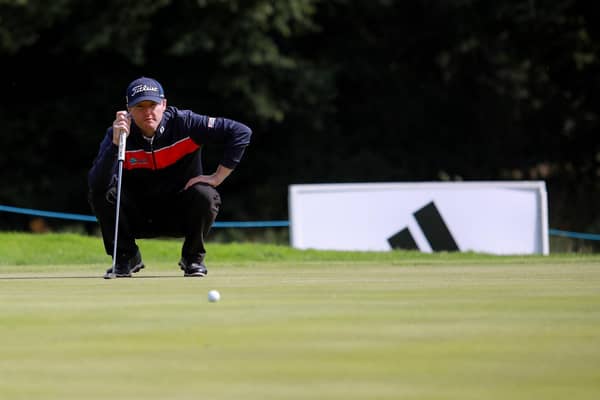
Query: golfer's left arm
x,y
235,136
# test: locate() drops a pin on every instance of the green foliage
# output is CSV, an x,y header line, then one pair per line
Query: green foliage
x,y
336,91
23,21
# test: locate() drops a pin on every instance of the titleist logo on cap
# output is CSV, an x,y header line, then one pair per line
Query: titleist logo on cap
x,y
143,88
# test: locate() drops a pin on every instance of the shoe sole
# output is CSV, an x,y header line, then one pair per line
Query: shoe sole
x,y
110,275
135,269
195,274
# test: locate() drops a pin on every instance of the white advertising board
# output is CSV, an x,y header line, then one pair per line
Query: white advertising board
x,y
500,217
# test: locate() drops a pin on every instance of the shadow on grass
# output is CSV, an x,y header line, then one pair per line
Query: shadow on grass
x,y
8,278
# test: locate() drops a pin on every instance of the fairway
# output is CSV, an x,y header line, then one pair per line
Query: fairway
x,y
303,330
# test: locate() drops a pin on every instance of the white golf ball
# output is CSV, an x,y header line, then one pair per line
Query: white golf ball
x,y
213,296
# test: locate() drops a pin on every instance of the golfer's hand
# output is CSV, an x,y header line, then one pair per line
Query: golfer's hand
x,y
207,179
213,180
121,123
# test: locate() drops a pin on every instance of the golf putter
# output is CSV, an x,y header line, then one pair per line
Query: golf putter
x,y
121,159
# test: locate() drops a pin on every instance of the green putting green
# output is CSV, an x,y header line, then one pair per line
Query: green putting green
x,y
300,325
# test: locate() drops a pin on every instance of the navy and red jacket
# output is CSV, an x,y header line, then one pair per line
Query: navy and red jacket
x,y
163,165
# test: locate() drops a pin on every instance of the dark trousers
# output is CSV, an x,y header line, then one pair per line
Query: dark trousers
x,y
189,214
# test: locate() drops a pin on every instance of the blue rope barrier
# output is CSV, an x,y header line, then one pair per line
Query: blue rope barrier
x,y
574,235
48,214
239,224
91,218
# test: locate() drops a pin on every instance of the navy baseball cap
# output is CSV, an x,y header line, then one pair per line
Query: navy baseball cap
x,y
144,89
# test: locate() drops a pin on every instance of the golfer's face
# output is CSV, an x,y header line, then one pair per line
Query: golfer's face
x,y
147,115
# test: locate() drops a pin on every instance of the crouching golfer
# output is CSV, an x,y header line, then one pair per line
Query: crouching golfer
x,y
164,191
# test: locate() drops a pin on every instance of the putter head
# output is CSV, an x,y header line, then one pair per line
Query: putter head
x,y
110,275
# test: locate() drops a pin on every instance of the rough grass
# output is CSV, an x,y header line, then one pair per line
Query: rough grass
x,y
22,249
295,325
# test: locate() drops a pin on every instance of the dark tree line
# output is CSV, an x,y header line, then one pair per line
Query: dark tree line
x,y
336,91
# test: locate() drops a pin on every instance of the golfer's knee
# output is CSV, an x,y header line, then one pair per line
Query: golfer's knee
x,y
98,200
206,197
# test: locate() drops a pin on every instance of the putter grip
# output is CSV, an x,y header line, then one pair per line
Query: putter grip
x,y
122,141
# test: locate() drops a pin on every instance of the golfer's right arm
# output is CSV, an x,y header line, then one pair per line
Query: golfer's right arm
x,y
104,166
